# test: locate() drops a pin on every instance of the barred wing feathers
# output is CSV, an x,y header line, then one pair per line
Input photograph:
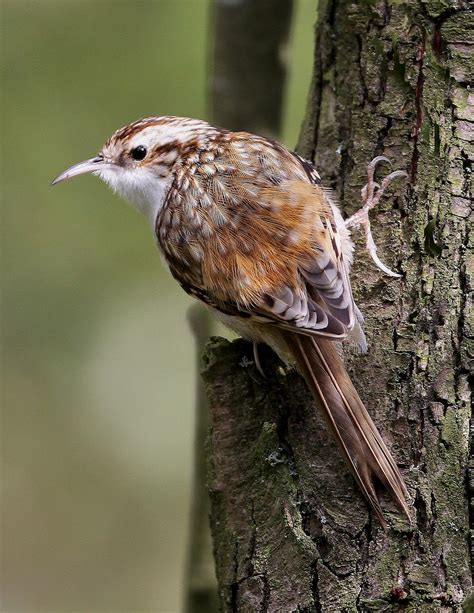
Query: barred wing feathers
x,y
286,261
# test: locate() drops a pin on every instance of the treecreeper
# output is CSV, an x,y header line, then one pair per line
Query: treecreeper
x,y
246,226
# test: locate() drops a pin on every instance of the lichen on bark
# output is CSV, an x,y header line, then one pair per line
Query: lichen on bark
x,y
291,531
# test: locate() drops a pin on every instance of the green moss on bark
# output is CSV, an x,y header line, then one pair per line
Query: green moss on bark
x,y
390,78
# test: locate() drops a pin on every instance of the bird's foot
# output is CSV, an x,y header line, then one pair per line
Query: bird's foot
x,y
371,194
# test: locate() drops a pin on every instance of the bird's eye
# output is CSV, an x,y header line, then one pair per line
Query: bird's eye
x,y
138,153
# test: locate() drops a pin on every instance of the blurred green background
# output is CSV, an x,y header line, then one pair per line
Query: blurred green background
x,y
98,371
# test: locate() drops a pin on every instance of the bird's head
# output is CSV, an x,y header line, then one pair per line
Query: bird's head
x,y
138,160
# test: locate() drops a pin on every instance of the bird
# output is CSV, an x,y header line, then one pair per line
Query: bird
x,y
246,226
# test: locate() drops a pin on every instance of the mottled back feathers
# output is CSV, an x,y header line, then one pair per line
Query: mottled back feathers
x,y
245,229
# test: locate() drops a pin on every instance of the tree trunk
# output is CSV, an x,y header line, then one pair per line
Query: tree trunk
x,y
248,71
246,66
291,531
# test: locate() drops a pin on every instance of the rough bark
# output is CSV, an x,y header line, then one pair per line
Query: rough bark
x,y
291,532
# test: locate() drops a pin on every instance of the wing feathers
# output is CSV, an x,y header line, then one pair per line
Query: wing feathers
x,y
301,312
320,301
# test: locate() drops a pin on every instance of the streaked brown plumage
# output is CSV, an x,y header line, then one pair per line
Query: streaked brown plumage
x,y
245,226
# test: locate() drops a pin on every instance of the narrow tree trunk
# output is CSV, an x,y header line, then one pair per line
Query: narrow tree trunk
x,y
291,531
248,70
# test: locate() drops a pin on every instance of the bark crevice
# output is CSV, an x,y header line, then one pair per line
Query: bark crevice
x,y
389,78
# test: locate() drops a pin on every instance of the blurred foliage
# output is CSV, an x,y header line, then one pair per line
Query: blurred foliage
x,y
97,360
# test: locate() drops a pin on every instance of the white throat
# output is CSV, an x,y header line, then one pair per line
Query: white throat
x,y
141,187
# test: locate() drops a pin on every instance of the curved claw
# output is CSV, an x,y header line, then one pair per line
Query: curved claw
x,y
377,160
387,271
372,249
393,175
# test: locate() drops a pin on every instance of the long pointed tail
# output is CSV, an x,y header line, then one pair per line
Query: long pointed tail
x,y
355,432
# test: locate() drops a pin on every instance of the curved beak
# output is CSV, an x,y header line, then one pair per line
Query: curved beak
x,y
97,163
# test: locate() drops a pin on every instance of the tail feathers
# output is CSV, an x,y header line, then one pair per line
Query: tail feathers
x,y
355,432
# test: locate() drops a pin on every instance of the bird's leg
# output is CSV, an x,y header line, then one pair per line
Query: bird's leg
x,y
257,359
371,194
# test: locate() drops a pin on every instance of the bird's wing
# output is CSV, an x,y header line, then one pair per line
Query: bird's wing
x,y
279,258
322,284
